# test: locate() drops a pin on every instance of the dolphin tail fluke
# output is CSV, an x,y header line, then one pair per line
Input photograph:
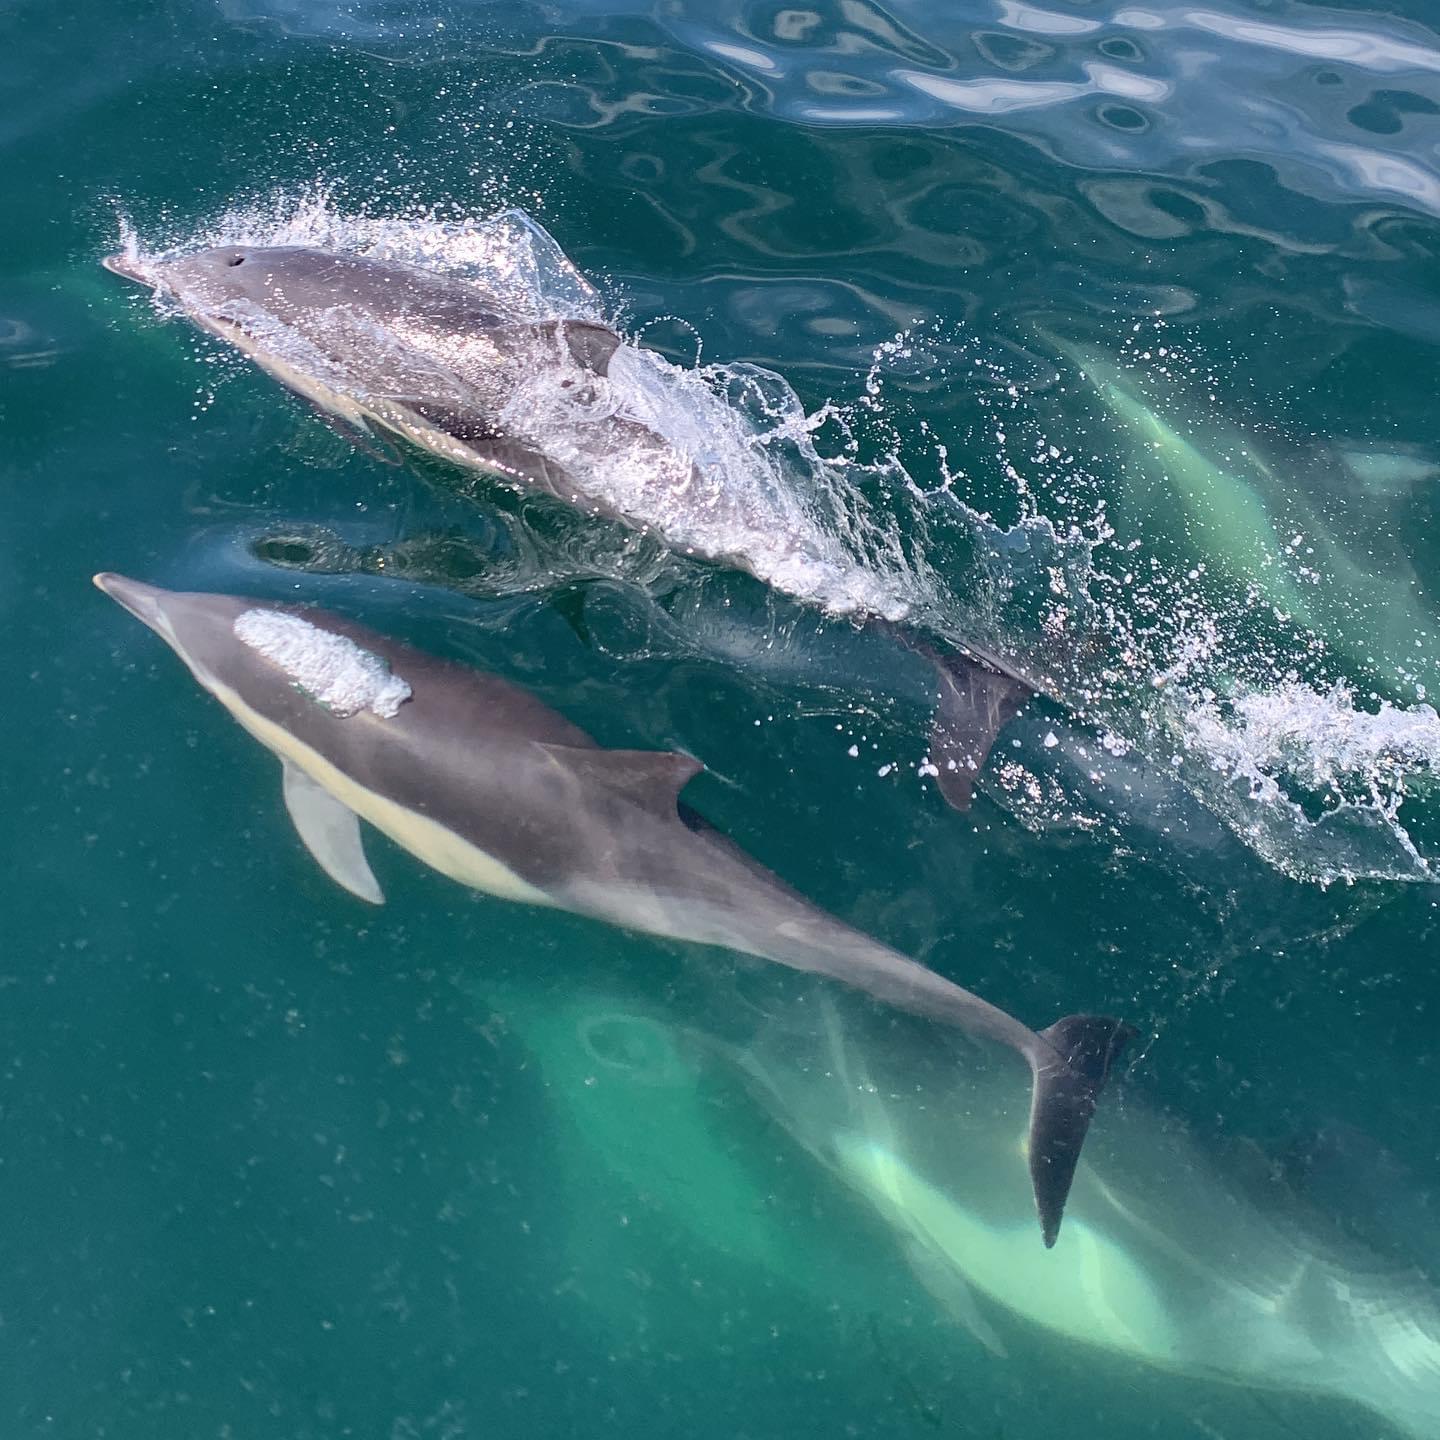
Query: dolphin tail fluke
x,y
976,702
1068,1081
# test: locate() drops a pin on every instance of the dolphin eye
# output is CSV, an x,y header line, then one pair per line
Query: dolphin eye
x,y
236,260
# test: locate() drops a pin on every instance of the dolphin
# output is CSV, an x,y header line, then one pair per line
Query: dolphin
x,y
631,1117
562,407
482,782
1220,512
1325,552
647,1119
1180,1257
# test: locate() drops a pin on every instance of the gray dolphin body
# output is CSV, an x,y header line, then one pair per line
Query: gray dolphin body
x,y
448,367
487,785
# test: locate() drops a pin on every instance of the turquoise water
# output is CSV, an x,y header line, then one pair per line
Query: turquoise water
x,y
1130,315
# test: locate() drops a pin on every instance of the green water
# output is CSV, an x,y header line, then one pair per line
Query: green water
x,y
273,1164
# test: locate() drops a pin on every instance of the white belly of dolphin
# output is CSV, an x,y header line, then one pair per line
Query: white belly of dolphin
x,y
437,846
1088,1290
390,415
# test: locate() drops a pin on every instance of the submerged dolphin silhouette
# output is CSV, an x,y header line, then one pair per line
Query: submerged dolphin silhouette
x,y
388,347
487,785
1180,1256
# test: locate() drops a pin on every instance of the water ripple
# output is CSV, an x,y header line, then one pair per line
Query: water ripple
x,y
1362,48
1338,107
1216,83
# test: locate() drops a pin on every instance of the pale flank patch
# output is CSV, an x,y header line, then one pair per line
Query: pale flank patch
x,y
332,670
1088,1288
429,841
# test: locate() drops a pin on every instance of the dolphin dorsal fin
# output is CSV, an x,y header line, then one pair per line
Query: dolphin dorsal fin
x,y
331,832
652,778
977,701
589,344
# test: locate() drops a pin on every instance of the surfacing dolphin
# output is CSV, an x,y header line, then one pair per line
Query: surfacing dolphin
x,y
487,785
389,348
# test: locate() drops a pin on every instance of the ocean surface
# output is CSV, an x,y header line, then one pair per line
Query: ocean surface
x,y
1106,334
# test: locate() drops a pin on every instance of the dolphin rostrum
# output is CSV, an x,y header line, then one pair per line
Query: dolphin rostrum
x,y
386,348
487,785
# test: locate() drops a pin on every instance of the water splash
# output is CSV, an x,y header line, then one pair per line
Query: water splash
x,y
1264,644
1196,576
719,460
1319,741
1195,671
1293,761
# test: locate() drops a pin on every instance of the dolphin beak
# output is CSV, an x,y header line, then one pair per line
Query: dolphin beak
x,y
124,265
141,600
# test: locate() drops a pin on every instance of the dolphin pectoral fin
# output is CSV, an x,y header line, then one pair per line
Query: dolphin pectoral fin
x,y
331,832
358,434
976,703
1068,1081
653,778
947,1286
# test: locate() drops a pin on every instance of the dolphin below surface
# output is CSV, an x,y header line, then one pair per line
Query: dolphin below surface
x,y
1179,1257
487,785
557,406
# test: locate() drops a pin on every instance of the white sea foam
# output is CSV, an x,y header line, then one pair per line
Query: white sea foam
x,y
1310,780
331,669
717,484
1319,741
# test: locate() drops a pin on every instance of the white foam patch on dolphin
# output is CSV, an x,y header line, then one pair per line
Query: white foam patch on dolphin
x,y
331,669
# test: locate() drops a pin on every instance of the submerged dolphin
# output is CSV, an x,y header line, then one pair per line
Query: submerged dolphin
x,y
1177,1257
488,786
1220,511
556,406
1328,554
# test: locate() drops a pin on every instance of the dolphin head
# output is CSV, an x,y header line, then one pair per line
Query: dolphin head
x,y
198,628
294,275
347,324
291,282
228,285
247,648
145,602
221,271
